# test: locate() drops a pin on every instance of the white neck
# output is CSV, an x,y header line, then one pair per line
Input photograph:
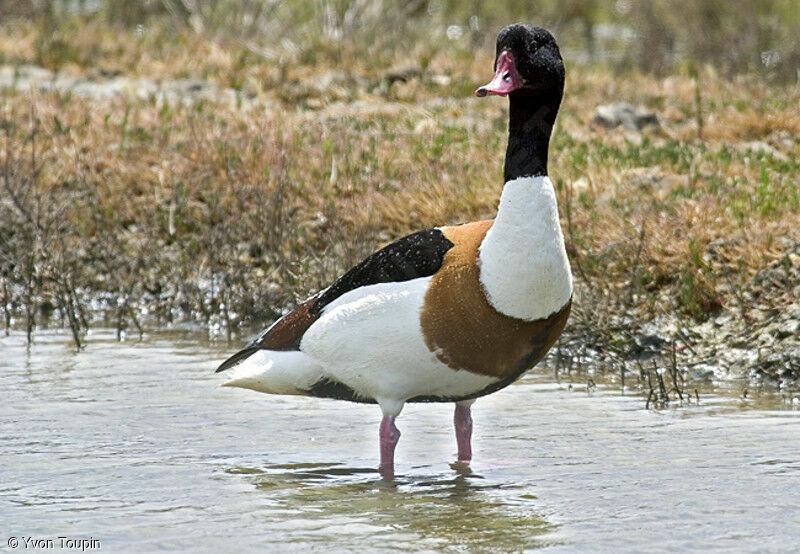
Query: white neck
x,y
523,264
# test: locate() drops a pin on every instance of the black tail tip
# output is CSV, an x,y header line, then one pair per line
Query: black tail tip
x,y
236,359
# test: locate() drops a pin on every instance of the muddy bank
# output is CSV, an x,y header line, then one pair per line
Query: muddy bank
x,y
667,357
756,337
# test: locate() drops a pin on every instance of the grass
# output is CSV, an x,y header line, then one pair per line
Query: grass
x,y
230,213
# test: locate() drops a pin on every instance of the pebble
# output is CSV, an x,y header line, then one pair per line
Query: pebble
x,y
622,113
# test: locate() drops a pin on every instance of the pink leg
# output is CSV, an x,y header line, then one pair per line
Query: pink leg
x,y
462,420
389,436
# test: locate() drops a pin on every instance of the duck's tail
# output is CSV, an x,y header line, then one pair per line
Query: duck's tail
x,y
272,371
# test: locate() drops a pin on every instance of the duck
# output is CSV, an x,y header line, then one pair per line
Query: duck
x,y
446,314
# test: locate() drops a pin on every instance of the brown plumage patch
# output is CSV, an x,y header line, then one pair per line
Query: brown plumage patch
x,y
465,331
289,329
285,334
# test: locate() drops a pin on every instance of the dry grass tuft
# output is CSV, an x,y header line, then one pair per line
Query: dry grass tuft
x,y
229,213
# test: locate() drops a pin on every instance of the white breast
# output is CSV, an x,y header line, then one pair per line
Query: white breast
x,y
523,263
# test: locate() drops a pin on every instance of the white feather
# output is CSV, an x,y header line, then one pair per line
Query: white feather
x,y
276,372
523,263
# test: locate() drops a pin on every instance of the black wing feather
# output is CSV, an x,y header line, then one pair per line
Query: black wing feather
x,y
416,255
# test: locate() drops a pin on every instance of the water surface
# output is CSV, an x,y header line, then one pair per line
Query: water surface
x,y
134,444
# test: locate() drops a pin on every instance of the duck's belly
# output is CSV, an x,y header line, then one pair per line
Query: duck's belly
x,y
371,340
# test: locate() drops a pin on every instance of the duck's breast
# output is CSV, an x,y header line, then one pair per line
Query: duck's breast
x,y
465,331
524,267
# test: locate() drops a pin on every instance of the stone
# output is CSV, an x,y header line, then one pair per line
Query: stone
x,y
623,113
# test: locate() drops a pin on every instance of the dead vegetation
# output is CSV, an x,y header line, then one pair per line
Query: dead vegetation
x,y
227,213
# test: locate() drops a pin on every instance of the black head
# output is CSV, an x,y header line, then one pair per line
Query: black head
x,y
527,61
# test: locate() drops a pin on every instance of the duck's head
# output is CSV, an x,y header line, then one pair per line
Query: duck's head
x,y
527,61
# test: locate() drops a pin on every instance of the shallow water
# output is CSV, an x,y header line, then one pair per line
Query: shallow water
x,y
133,444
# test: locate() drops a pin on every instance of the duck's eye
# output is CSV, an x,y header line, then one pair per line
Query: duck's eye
x,y
507,76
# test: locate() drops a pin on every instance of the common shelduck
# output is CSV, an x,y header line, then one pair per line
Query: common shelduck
x,y
447,314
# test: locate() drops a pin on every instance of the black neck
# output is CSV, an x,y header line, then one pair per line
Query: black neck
x,y
531,120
